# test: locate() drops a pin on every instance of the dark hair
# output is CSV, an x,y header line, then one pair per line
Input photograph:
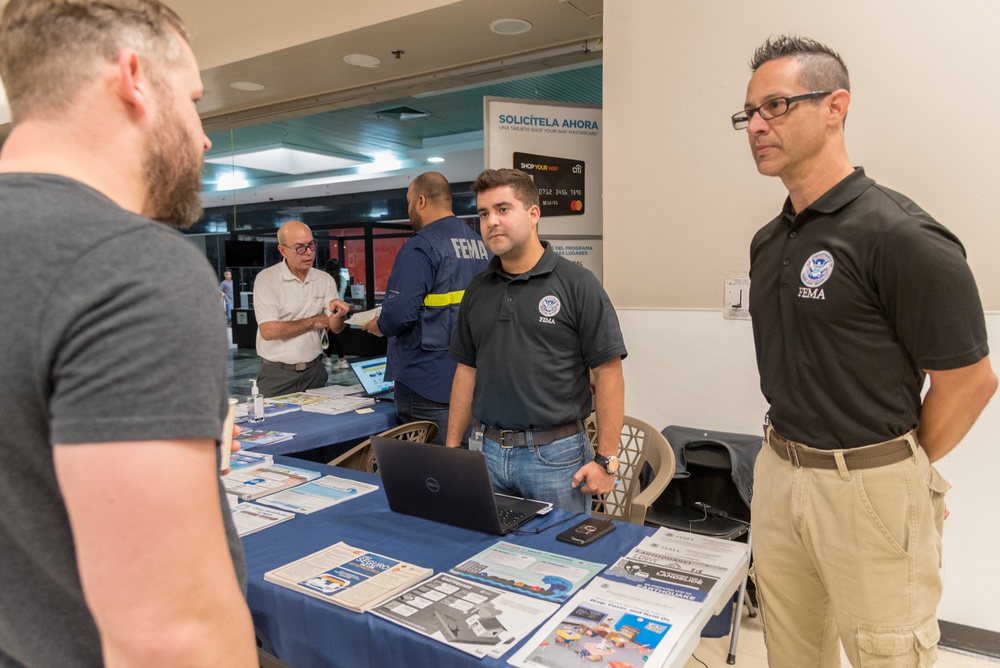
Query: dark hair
x,y
822,67
522,185
333,268
435,187
51,49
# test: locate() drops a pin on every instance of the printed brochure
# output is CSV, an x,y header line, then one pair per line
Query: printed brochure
x,y
249,517
609,623
318,494
252,485
544,575
348,576
471,617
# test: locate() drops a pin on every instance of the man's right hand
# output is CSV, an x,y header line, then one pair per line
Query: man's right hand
x,y
372,327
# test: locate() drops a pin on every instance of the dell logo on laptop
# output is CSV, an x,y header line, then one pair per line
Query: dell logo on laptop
x,y
432,485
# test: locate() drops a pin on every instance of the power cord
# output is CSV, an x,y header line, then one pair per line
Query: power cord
x,y
711,512
545,528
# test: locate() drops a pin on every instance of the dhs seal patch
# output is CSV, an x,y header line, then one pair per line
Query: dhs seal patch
x,y
817,269
549,306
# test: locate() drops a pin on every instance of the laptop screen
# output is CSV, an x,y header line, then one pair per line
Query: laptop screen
x,y
371,374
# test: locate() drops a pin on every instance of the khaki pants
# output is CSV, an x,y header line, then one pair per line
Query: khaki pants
x,y
848,555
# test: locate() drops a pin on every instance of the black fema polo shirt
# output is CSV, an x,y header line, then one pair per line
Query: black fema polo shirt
x,y
851,300
532,339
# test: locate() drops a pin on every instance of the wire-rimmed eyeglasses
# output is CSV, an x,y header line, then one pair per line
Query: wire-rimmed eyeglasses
x,y
773,108
301,250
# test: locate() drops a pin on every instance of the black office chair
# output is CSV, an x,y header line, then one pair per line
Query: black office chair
x,y
710,496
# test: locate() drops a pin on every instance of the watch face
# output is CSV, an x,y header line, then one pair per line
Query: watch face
x,y
609,464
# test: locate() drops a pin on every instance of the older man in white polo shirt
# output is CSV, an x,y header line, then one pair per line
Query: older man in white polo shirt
x,y
294,304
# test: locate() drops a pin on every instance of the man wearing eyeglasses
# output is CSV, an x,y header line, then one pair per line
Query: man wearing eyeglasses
x,y
857,296
295,304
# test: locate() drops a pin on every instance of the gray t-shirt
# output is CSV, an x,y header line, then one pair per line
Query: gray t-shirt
x,y
110,330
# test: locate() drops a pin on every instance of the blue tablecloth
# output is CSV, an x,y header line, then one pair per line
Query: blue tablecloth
x,y
306,632
315,430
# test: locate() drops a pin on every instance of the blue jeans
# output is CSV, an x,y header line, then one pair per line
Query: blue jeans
x,y
543,472
411,406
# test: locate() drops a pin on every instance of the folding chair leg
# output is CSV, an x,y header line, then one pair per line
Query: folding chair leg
x,y
734,635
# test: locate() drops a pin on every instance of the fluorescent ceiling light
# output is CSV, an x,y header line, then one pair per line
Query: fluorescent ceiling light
x,y
435,158
234,180
286,159
384,162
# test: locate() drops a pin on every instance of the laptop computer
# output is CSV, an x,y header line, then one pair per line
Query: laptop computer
x,y
371,375
448,485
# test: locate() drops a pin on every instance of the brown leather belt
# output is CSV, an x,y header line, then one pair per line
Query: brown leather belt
x,y
301,366
509,438
867,457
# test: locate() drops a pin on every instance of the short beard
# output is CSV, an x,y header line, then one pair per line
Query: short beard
x,y
172,172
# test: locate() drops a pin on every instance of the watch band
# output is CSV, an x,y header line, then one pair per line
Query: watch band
x,y
606,463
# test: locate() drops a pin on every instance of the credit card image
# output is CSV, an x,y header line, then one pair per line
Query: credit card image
x,y
559,181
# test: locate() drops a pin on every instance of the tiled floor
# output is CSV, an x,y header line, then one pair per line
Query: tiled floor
x,y
750,653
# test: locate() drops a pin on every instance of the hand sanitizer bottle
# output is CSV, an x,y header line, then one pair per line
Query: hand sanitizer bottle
x,y
258,403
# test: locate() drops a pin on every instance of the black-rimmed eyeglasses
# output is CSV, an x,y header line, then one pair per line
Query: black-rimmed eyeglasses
x,y
301,250
773,108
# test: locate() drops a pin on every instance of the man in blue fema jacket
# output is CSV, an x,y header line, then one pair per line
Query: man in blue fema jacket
x,y
421,302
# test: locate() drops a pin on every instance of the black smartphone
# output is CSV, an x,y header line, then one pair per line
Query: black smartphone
x,y
587,531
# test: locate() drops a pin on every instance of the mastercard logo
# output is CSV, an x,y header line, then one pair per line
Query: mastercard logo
x,y
576,205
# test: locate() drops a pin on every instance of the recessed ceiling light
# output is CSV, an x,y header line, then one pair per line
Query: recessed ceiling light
x,y
510,26
246,85
435,158
362,60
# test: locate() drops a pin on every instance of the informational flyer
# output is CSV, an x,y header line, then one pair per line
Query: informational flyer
x,y
608,623
678,564
471,617
318,494
252,485
348,576
249,517
544,575
251,438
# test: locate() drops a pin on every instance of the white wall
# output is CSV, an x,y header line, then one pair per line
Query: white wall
x,y
693,368
682,200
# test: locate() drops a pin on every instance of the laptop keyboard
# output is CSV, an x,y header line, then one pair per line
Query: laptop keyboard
x,y
510,518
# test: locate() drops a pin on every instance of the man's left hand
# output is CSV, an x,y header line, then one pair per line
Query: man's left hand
x,y
372,327
593,479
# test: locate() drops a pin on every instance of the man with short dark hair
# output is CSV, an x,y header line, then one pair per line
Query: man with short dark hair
x,y
531,329
420,308
114,351
295,304
857,296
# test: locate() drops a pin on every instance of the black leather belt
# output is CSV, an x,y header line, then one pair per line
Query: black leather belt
x,y
300,367
510,438
866,457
